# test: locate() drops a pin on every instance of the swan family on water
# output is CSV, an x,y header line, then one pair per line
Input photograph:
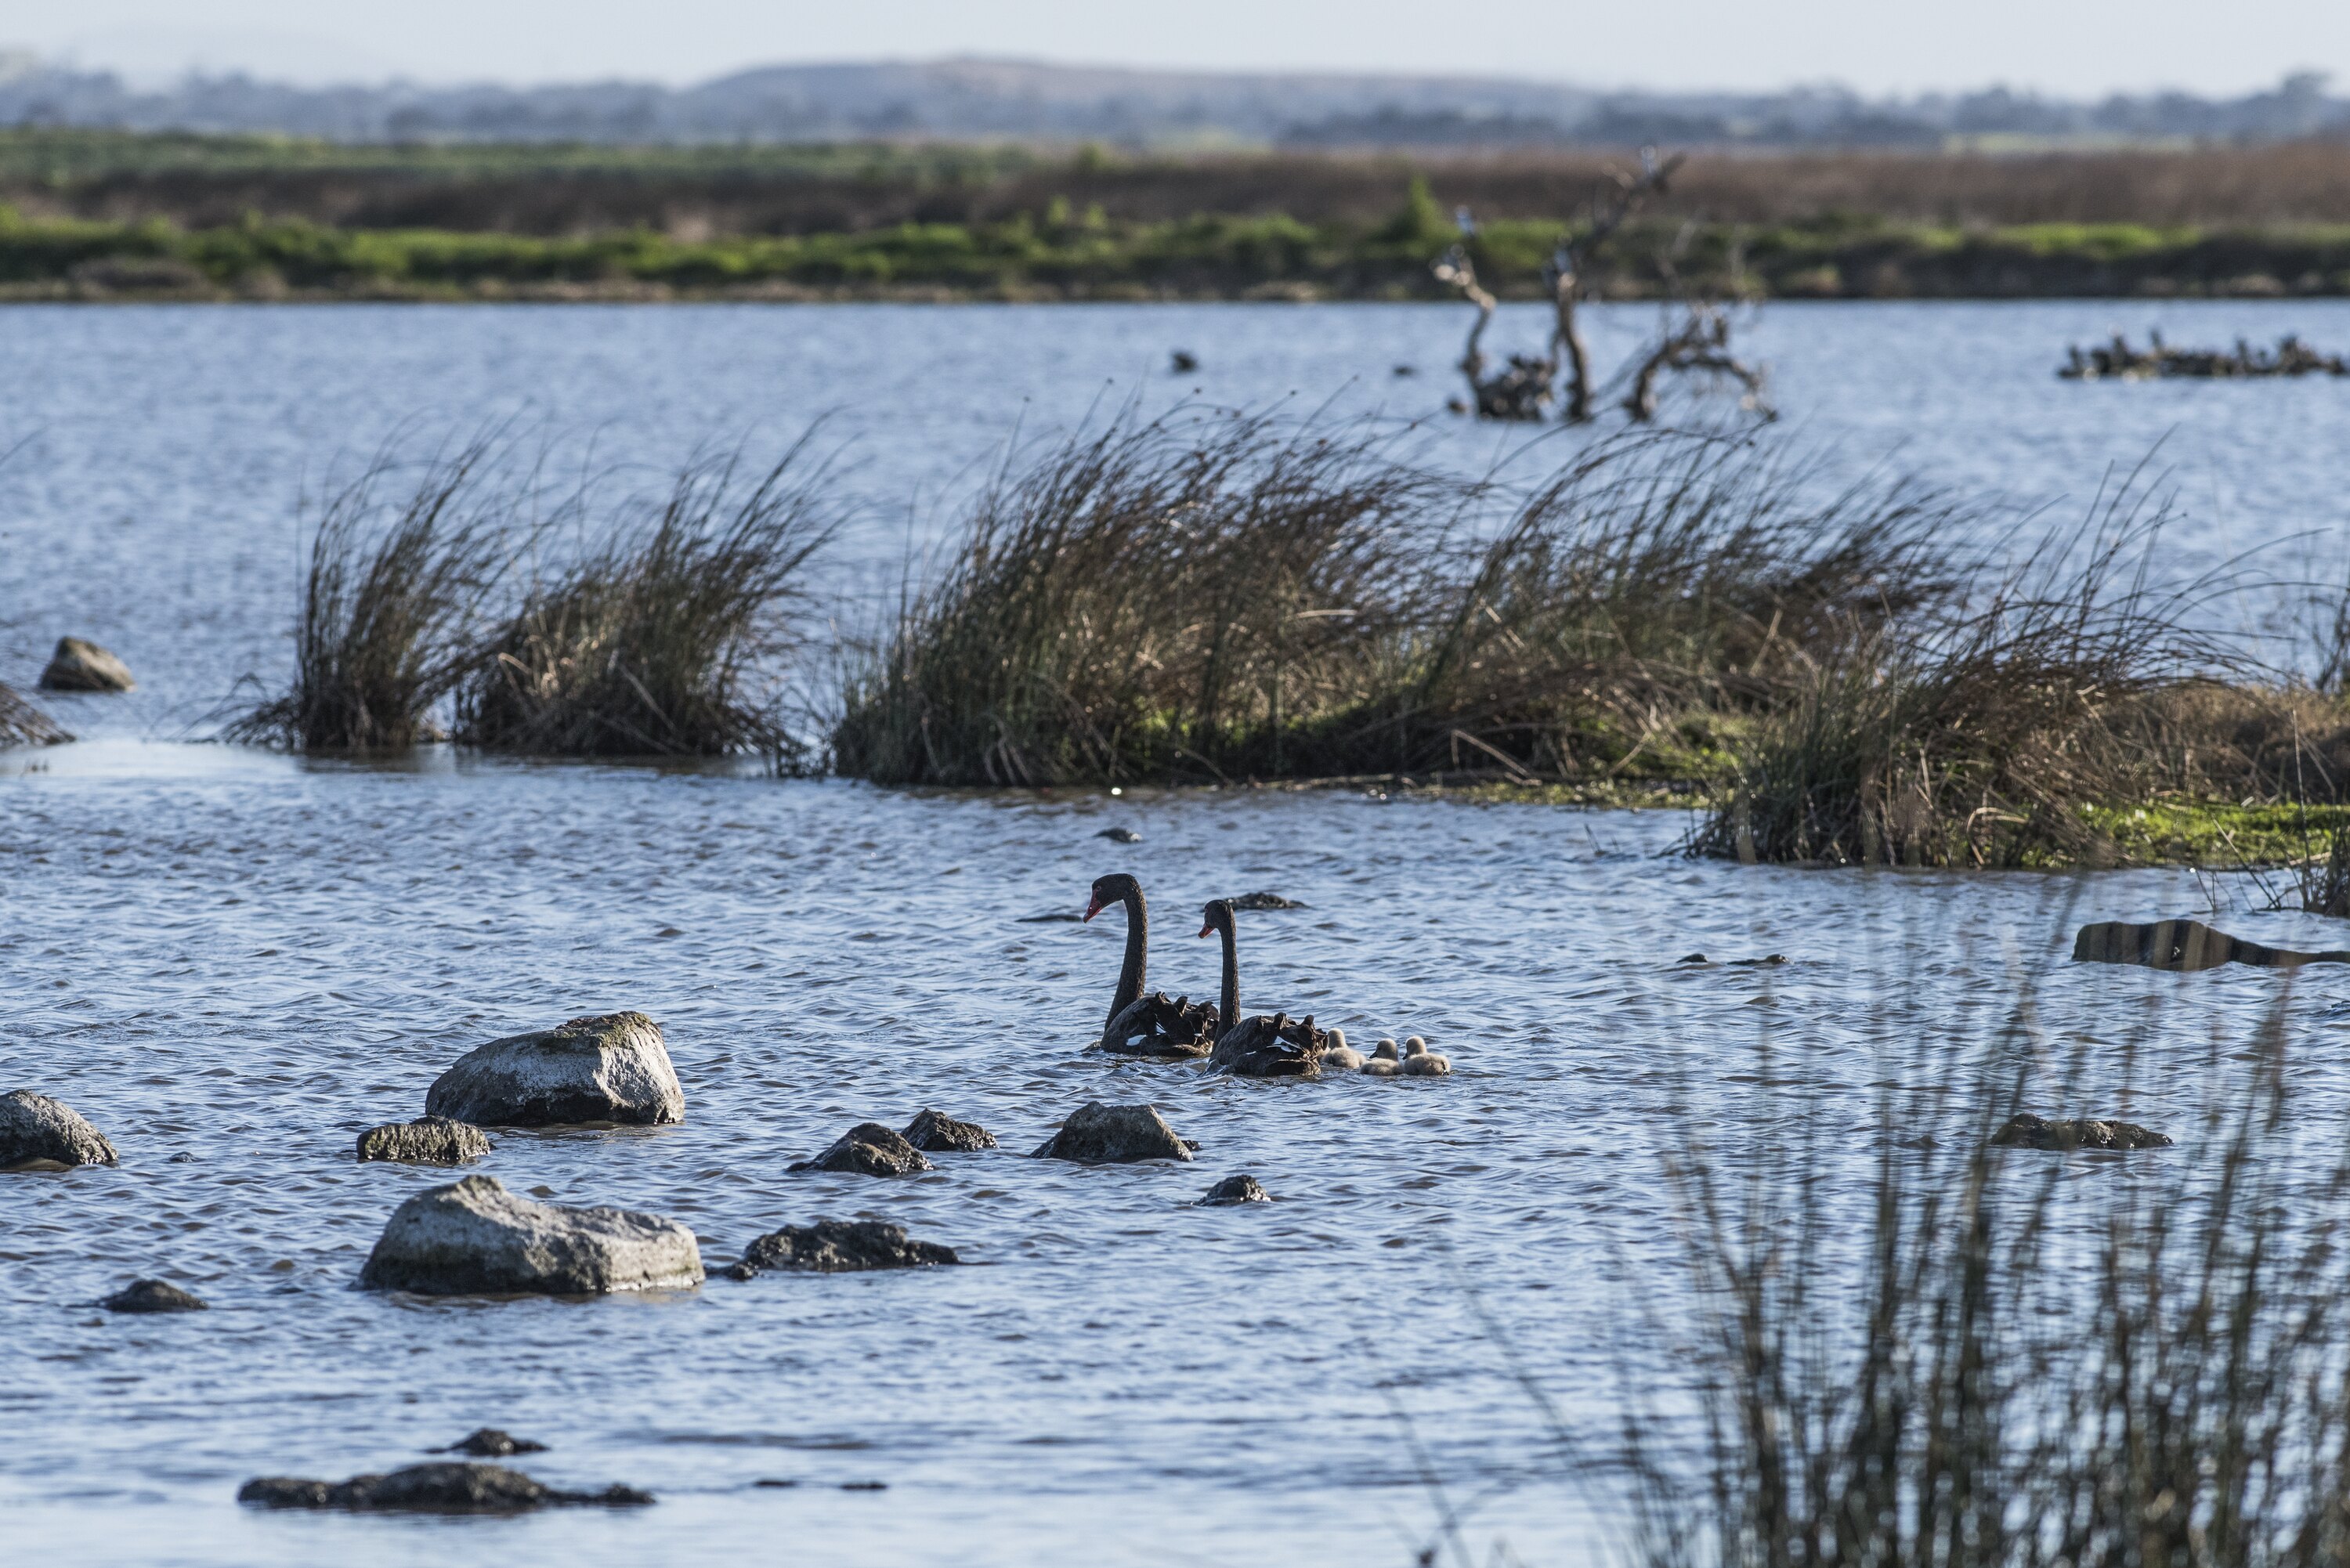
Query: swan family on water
x,y
1262,1045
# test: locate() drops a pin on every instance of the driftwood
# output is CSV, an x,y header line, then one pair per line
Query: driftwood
x,y
1523,390
2117,361
2183,945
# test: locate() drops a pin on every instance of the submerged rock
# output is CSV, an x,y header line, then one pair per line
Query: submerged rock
x,y
1097,1134
868,1148
942,1133
474,1238
1235,1190
2183,945
41,1133
839,1246
427,1140
613,1068
78,666
446,1486
152,1295
1119,835
489,1443
2028,1131
1265,901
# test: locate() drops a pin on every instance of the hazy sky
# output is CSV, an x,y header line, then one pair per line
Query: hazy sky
x,y
2069,47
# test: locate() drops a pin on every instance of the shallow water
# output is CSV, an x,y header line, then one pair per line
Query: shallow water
x,y
231,961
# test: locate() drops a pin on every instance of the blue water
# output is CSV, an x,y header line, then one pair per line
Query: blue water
x,y
232,961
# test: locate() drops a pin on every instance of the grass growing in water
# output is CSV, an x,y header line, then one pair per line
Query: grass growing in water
x,y
389,595
1227,598
651,644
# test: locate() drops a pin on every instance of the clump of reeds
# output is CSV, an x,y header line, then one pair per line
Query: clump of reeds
x,y
1988,736
1194,596
1998,1361
1230,598
653,643
22,724
388,594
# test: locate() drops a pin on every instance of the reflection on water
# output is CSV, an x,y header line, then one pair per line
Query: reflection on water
x,y
233,960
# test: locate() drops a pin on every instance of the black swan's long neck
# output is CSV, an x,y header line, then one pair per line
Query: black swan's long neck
x,y
1228,1010
1138,944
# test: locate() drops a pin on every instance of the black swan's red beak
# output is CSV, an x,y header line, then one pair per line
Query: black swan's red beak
x,y
1207,931
1094,906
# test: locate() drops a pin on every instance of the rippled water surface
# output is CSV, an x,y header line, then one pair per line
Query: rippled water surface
x,y
231,961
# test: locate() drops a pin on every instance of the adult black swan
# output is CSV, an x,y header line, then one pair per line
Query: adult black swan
x,y
1155,1024
1268,1045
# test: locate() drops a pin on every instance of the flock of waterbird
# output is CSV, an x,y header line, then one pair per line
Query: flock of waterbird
x,y
1262,1045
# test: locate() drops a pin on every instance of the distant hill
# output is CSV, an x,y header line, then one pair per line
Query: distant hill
x,y
1010,99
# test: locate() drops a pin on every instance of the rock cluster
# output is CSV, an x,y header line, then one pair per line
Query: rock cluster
x,y
440,1487
474,1238
78,666
1097,1134
152,1295
39,1133
2028,1131
838,1246
868,1148
427,1140
609,1069
943,1134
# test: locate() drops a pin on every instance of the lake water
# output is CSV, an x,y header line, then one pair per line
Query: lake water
x,y
232,961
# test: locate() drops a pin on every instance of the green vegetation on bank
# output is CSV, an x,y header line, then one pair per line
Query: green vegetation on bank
x,y
1061,254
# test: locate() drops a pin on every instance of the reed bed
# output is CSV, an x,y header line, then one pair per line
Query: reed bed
x,y
1225,599
656,644
1999,730
2013,1359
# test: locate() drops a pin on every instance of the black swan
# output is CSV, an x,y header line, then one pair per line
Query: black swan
x,y
1155,1024
1265,1047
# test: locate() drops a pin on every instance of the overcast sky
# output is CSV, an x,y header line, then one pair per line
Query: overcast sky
x,y
2075,47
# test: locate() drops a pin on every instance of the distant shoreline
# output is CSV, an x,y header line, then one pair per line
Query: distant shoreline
x,y
1205,259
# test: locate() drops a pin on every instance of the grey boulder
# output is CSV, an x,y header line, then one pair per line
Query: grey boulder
x,y
78,666
152,1295
839,1246
2028,1131
941,1134
474,1238
440,1487
39,1133
868,1148
427,1140
1097,1134
613,1068
489,1443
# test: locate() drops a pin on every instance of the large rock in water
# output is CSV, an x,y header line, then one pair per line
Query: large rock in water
x,y
443,1488
935,1133
427,1140
1097,1134
39,1133
152,1295
608,1069
78,666
22,724
868,1148
474,1238
2028,1131
839,1246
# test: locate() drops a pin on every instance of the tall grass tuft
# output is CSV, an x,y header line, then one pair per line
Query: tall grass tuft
x,y
2018,1358
1234,599
1991,733
389,595
654,644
